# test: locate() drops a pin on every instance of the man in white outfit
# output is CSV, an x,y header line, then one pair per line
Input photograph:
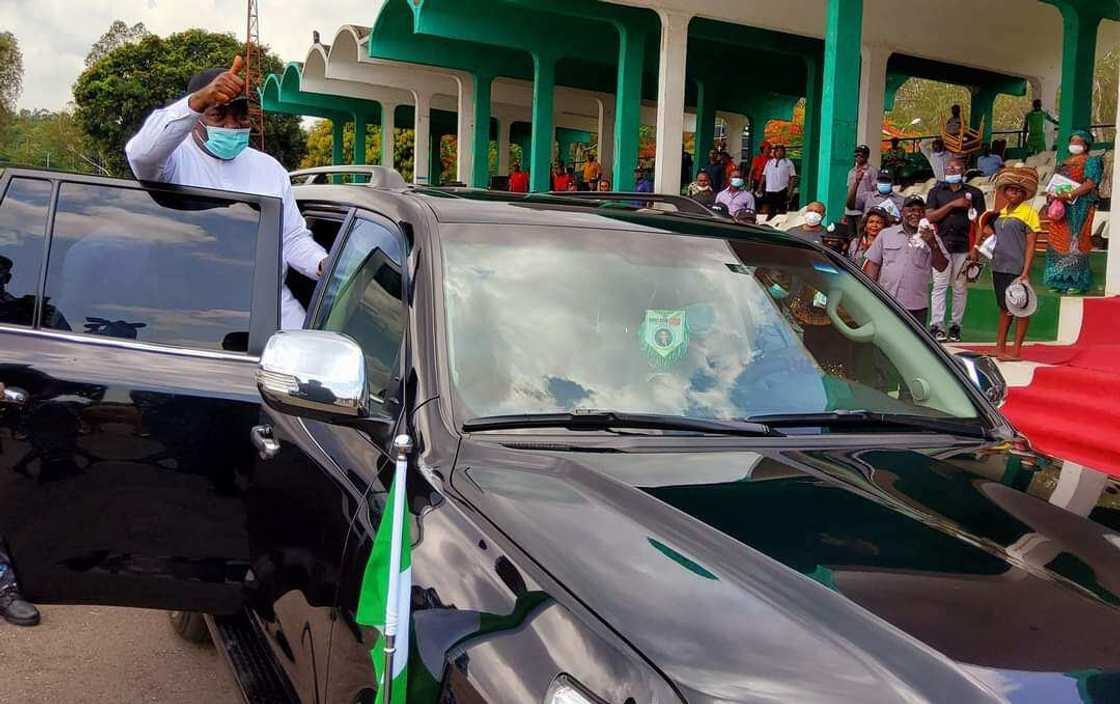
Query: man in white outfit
x,y
202,140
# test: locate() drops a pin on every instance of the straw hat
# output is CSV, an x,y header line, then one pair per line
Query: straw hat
x,y
1021,299
1024,177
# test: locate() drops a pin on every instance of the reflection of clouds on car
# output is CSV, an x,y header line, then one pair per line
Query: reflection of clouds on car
x,y
177,268
541,317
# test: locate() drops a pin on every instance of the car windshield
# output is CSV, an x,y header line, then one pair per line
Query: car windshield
x,y
641,320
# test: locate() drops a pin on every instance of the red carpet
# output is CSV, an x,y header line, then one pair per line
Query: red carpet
x,y
1100,327
1071,413
1072,410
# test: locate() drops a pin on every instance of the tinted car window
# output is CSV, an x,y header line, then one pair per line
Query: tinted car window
x,y
555,319
155,267
23,221
363,299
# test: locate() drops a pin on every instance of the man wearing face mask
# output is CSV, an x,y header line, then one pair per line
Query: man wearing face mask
x,y
202,140
953,206
883,197
736,196
813,230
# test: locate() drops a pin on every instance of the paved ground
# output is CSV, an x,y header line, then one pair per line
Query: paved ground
x,y
83,654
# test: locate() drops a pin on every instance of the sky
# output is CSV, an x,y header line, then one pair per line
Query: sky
x,y
55,35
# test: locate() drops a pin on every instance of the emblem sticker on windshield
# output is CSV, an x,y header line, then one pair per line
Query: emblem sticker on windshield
x,y
664,337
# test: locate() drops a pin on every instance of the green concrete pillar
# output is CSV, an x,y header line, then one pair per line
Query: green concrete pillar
x,y
810,132
705,125
628,106
480,178
338,146
983,110
544,84
839,101
1079,47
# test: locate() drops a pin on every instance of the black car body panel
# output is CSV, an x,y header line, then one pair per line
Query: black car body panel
x,y
649,569
727,580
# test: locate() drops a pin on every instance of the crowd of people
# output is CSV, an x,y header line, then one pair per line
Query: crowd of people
x,y
920,248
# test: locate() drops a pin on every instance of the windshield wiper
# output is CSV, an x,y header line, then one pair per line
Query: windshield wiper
x,y
592,419
840,418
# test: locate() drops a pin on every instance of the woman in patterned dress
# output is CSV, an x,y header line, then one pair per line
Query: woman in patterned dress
x,y
1069,240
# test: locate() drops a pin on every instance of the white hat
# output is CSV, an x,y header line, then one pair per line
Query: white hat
x,y
1020,299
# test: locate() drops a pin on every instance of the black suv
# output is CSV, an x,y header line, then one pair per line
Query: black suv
x,y
658,458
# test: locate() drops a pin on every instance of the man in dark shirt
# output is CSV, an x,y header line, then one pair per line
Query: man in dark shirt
x,y
715,171
953,206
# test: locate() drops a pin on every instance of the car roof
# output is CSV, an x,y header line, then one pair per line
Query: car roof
x,y
478,206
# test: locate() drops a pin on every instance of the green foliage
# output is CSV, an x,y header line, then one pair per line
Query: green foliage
x,y
319,139
115,95
46,139
11,72
928,101
118,35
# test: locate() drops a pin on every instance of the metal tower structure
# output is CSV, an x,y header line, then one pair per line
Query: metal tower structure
x,y
254,71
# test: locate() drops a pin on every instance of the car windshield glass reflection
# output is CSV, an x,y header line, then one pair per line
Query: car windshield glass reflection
x,y
153,267
557,319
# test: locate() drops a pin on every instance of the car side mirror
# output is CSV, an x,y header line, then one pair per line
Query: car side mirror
x,y
985,375
314,374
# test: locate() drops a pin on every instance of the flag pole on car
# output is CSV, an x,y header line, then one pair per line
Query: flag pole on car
x,y
386,596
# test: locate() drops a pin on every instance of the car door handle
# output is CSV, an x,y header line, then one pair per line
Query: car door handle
x,y
14,396
267,446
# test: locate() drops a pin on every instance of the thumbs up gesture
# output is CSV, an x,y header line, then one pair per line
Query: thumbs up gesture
x,y
224,88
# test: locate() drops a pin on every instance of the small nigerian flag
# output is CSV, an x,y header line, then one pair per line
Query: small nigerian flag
x,y
386,595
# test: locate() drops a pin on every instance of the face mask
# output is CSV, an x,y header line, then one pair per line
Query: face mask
x,y
953,178
1076,149
226,143
884,188
813,218
737,182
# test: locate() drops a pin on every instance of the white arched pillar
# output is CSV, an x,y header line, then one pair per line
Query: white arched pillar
x,y
421,151
388,125
670,100
735,126
464,139
872,94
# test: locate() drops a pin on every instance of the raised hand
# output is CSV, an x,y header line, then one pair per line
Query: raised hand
x,y
224,88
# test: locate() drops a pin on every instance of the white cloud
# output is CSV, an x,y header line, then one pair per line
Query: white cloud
x,y
55,35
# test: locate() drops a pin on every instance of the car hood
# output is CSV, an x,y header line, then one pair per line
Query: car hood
x,y
962,573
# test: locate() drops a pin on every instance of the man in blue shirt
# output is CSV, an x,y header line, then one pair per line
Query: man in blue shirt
x,y
642,184
987,162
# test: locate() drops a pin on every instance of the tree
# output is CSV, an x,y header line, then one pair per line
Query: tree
x,y
11,72
116,94
118,35
41,138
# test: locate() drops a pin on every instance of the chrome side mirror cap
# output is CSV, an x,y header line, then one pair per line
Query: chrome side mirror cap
x,y
314,374
985,375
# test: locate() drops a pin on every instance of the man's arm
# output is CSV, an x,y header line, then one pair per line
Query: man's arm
x,y
874,259
151,148
853,191
940,213
939,257
301,251
1032,236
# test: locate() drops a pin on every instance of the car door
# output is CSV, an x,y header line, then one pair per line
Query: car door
x,y
307,491
131,316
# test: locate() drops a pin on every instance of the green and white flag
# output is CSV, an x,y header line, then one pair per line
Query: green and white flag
x,y
386,595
